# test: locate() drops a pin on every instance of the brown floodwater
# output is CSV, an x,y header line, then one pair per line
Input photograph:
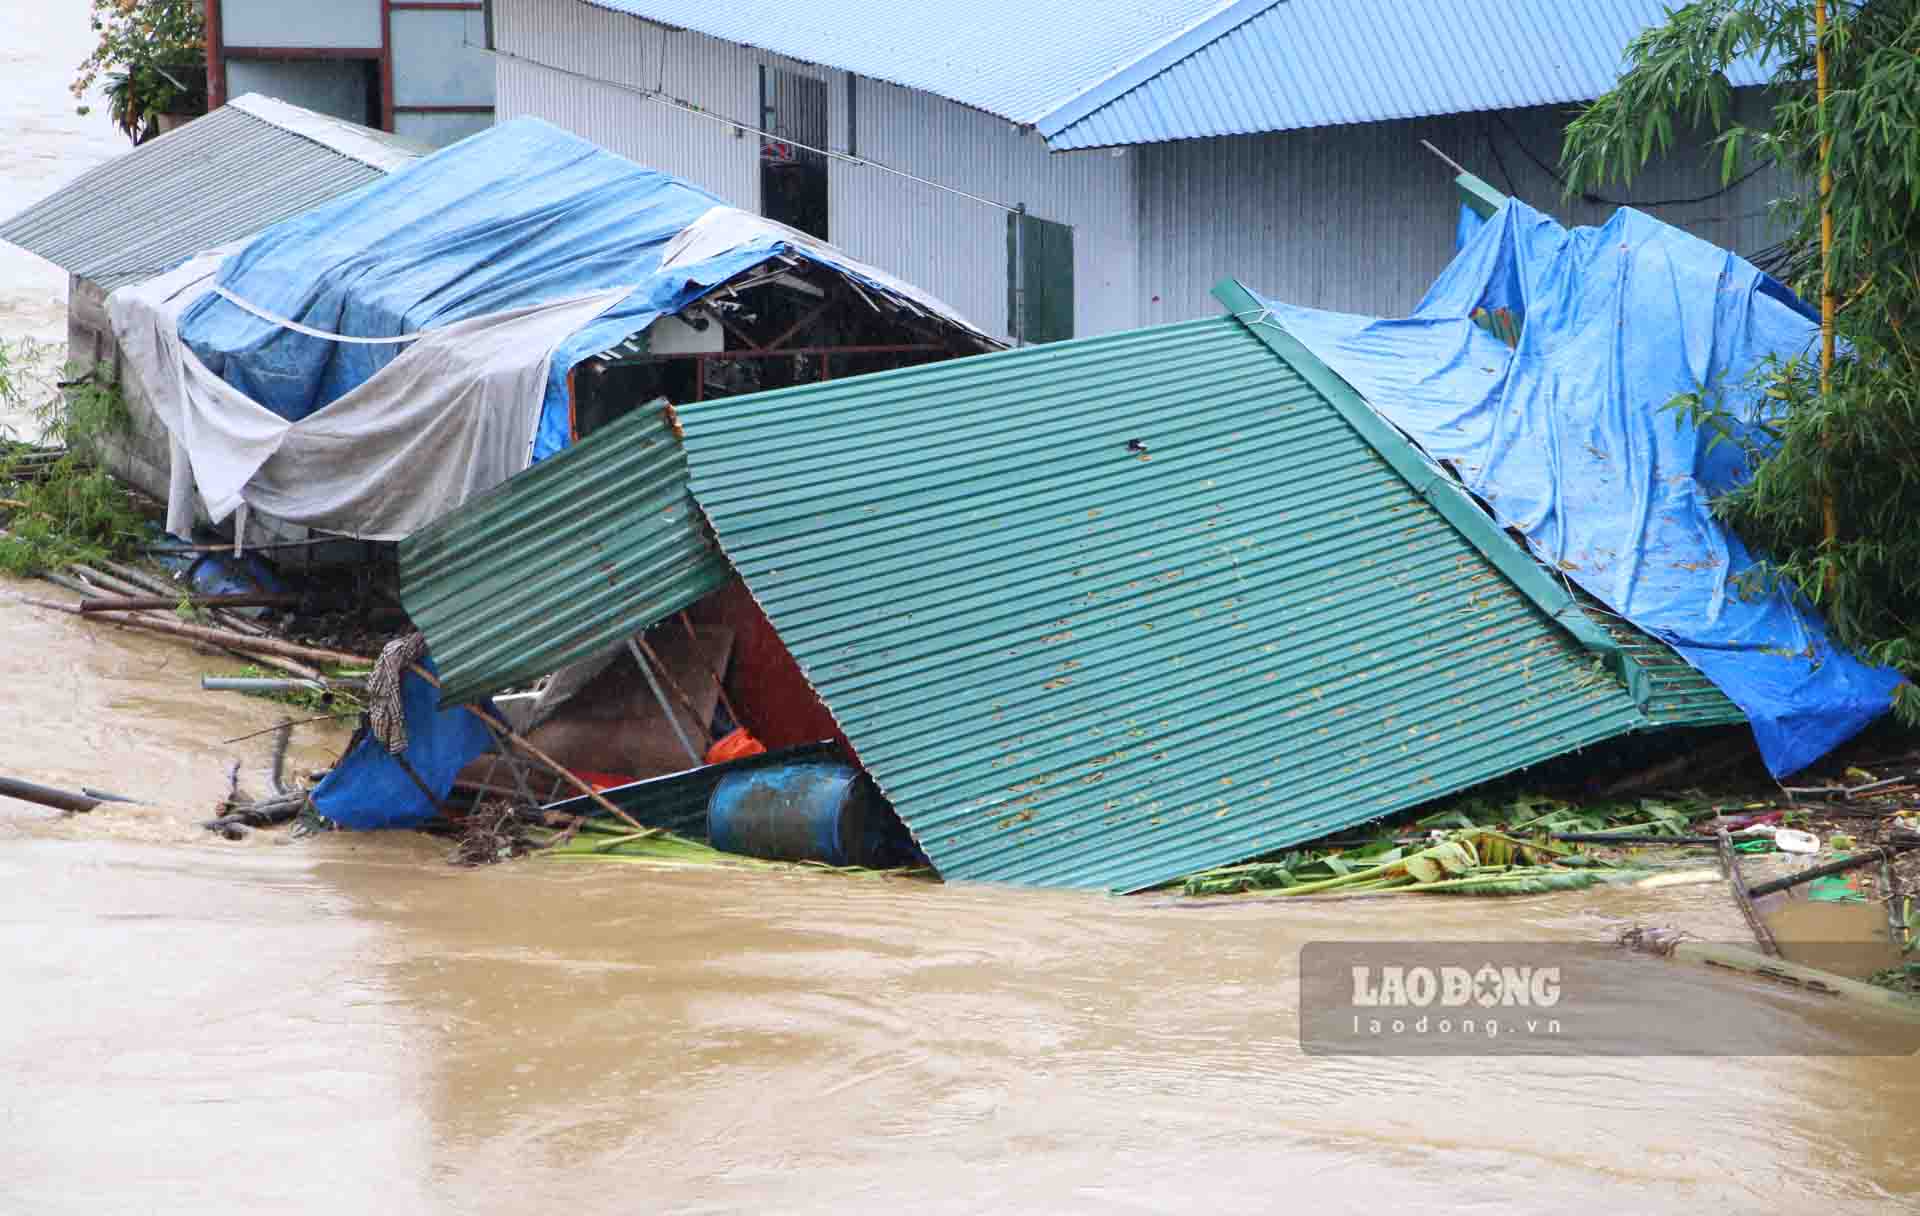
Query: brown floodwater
x,y
347,1023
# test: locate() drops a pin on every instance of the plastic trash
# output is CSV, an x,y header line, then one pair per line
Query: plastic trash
x,y
1792,840
735,745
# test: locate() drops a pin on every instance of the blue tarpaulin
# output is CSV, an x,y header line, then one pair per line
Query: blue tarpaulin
x,y
519,215
369,788
1567,439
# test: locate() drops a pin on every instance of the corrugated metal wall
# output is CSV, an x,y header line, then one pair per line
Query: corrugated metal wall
x,y
1361,218
953,246
597,45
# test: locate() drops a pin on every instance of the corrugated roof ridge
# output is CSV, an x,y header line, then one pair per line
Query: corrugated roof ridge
x,y
380,150
1142,68
1519,567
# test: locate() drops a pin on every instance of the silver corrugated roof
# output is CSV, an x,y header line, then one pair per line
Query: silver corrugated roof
x,y
220,178
1266,66
1012,58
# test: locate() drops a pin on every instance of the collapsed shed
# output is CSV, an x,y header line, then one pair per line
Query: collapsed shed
x,y
369,365
1100,613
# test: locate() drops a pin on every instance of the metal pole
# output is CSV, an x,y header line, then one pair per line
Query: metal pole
x,y
1020,274
27,791
268,684
659,694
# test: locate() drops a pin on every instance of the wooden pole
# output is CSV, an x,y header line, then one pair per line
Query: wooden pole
x,y
142,603
502,730
213,637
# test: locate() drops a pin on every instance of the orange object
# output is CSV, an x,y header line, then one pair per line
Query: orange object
x,y
601,781
736,746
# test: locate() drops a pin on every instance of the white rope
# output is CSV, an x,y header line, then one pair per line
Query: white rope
x,y
298,328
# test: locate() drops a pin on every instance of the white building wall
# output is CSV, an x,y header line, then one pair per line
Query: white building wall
x,y
1357,218
567,62
1362,218
956,247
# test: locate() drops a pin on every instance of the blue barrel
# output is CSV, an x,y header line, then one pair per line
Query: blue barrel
x,y
806,812
221,573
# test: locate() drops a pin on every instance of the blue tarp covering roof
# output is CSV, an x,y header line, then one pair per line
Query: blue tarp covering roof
x,y
1567,439
518,215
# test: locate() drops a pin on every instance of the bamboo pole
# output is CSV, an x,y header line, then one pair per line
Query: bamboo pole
x,y
141,603
1830,510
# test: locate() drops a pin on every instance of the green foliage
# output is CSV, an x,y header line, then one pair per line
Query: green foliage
x,y
152,56
1852,444
67,509
1533,813
1474,861
1904,978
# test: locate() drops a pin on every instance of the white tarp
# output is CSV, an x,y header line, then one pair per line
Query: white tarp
x,y
449,417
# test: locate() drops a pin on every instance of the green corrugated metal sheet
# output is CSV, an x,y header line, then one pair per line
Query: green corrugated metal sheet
x,y
566,558
1068,662
1678,695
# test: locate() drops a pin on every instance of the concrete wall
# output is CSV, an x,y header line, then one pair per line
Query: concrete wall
x,y
141,457
305,23
330,86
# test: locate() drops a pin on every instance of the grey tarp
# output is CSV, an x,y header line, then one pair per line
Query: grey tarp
x,y
452,415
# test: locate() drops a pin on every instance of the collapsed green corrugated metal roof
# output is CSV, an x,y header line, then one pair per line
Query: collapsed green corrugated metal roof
x,y
561,560
1110,611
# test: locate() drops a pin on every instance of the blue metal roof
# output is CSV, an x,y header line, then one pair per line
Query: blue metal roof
x,y
1267,66
1013,58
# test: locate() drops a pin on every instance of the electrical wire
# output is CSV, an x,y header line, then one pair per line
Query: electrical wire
x,y
698,111
1599,200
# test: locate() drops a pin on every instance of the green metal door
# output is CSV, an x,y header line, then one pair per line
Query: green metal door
x,y
1039,279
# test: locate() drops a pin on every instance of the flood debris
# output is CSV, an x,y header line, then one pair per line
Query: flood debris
x,y
1673,944
1091,614
46,795
1467,862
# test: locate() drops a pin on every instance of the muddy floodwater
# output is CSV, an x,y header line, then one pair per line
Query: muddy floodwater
x,y
347,1024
